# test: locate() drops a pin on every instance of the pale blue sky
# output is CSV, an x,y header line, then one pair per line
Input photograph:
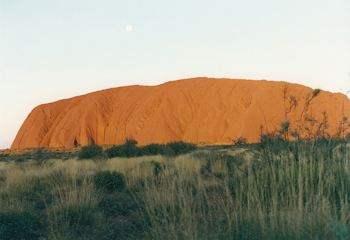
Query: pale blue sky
x,y
52,49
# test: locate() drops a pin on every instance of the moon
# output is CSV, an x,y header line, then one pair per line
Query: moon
x,y
129,28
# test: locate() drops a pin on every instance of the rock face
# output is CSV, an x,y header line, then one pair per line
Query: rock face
x,y
199,110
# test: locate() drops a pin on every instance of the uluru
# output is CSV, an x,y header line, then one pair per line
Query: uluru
x,y
199,110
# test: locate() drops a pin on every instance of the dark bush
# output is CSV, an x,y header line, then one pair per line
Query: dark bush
x,y
167,151
39,155
76,221
181,147
20,225
119,204
123,229
153,149
110,181
115,151
128,149
3,156
273,143
315,92
249,230
36,193
91,151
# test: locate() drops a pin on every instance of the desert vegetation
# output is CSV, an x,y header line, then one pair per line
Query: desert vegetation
x,y
277,189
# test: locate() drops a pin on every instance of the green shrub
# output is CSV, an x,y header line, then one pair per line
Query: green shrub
x,y
20,226
110,181
181,147
91,151
315,92
167,151
340,230
78,216
115,151
123,229
118,204
273,143
75,221
37,193
39,155
249,230
128,149
153,149
3,156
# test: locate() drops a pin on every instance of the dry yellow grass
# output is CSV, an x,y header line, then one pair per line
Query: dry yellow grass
x,y
299,192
